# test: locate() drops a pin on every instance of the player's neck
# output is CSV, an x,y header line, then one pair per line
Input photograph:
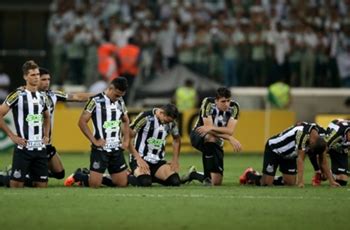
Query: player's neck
x,y
31,88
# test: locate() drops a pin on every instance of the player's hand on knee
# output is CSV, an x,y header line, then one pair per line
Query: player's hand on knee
x,y
141,163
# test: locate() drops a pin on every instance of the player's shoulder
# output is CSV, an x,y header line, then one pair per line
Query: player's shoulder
x,y
234,103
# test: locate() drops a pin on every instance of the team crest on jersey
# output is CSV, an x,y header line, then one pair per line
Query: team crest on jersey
x,y
96,165
269,168
17,174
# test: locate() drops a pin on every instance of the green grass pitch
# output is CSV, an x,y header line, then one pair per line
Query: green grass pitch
x,y
191,206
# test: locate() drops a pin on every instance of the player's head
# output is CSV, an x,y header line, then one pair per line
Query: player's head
x,y
31,73
168,113
317,143
117,88
45,79
223,98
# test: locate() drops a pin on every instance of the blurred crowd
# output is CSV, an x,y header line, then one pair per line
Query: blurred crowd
x,y
234,42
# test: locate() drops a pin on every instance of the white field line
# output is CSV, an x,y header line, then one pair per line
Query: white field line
x,y
199,196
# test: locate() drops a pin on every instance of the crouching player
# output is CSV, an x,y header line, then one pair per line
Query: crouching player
x,y
288,150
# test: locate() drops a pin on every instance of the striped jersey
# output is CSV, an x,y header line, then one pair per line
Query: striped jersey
x,y
53,97
287,143
336,136
220,118
27,109
106,119
151,135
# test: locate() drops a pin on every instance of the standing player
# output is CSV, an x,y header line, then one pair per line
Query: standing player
x,y
288,150
110,120
149,130
32,121
338,142
56,169
217,121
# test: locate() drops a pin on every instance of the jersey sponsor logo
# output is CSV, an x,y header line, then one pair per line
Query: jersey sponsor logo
x,y
33,119
111,125
155,143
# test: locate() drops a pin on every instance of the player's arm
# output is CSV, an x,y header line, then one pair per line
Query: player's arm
x,y
176,153
236,145
79,97
141,163
83,125
125,131
300,168
46,138
4,109
325,169
209,127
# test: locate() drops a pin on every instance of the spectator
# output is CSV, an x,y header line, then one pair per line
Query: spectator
x,y
4,84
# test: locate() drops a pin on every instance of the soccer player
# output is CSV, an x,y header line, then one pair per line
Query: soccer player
x,y
32,121
148,135
110,120
56,169
338,143
217,121
149,131
288,150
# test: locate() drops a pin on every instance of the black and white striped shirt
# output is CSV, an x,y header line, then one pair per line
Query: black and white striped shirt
x,y
27,109
336,136
151,135
53,97
220,118
106,118
287,143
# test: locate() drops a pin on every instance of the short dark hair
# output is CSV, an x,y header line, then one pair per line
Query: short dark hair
x,y
28,65
44,71
223,92
120,83
170,110
319,146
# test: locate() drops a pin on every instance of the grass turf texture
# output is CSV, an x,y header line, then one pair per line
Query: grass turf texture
x,y
192,206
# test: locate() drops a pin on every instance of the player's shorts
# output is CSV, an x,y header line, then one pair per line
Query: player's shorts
x,y
273,160
113,161
152,167
32,162
339,162
50,151
197,141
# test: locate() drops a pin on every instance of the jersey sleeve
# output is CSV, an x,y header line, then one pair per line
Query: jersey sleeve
x,y
90,105
139,122
175,130
301,139
61,96
206,108
234,110
12,98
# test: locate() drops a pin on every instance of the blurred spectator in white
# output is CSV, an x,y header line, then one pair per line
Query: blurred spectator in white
x,y
279,40
166,44
308,59
147,37
120,34
185,45
4,84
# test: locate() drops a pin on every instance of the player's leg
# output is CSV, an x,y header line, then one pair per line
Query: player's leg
x,y
118,169
139,177
20,166
340,167
197,141
38,170
288,168
98,165
56,169
270,164
165,175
